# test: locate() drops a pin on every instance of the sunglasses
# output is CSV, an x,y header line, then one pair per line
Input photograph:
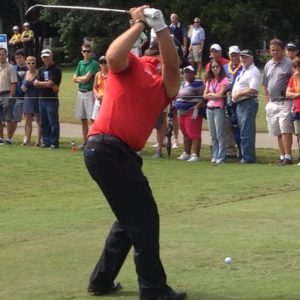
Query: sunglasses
x,y
291,50
30,63
101,62
86,51
215,67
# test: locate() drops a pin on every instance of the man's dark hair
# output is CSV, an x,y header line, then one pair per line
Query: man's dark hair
x,y
19,52
1,48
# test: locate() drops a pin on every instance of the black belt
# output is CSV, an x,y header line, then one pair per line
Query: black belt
x,y
106,138
215,107
4,92
85,90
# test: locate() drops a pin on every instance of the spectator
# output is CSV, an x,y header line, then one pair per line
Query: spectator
x,y
215,89
196,46
161,129
291,50
99,85
178,31
48,81
276,75
232,132
188,103
244,94
15,42
21,69
27,38
85,76
122,127
31,102
216,54
139,43
161,122
293,92
8,86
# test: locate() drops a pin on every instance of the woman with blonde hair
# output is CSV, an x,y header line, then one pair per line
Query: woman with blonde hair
x,y
31,102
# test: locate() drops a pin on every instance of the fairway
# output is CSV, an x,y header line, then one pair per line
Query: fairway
x,y
53,223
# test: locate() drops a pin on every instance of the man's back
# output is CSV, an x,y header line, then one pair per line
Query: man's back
x,y
132,102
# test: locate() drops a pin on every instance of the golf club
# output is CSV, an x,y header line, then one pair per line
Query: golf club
x,y
33,13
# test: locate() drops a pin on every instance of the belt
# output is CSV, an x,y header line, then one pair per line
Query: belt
x,y
196,44
85,90
4,92
215,107
106,138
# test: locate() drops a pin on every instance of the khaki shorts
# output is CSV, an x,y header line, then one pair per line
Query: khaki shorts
x,y
297,126
85,105
279,117
195,55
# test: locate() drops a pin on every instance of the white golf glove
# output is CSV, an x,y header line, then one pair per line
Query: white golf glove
x,y
155,19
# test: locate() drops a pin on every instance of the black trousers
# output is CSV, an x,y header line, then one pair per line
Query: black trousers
x,y
117,171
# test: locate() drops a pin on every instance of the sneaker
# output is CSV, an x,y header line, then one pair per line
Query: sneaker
x,y
81,146
116,286
45,146
9,141
175,146
53,147
279,161
157,154
213,160
220,161
184,156
155,145
286,162
1,142
194,157
298,164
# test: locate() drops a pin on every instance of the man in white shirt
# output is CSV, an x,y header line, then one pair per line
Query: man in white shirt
x,y
197,44
244,94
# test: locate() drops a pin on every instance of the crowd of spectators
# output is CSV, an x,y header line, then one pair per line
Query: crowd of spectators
x,y
226,95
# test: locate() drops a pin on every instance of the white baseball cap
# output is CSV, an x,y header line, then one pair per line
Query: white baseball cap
x,y
46,53
190,68
26,24
234,49
216,47
16,27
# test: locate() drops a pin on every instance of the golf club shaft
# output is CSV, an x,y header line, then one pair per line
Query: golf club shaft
x,y
79,7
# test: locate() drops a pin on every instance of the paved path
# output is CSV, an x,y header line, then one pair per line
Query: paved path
x,y
263,140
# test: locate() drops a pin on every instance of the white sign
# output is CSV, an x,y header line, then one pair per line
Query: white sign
x,y
3,41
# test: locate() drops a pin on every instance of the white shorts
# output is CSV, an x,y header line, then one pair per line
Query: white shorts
x,y
96,109
279,117
85,105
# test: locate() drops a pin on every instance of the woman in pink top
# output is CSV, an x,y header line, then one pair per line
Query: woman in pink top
x,y
215,89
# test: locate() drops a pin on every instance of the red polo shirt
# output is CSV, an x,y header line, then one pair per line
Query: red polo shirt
x,y
133,100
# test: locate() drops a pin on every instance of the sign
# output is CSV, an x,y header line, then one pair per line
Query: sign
x,y
3,41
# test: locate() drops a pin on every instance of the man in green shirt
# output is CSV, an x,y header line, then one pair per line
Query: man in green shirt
x,y
84,76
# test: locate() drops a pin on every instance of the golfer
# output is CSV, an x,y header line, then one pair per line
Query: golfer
x,y
137,90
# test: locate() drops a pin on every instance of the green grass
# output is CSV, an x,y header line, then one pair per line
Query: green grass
x,y
68,93
53,223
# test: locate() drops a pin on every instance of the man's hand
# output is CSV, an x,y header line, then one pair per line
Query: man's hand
x,y
155,19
